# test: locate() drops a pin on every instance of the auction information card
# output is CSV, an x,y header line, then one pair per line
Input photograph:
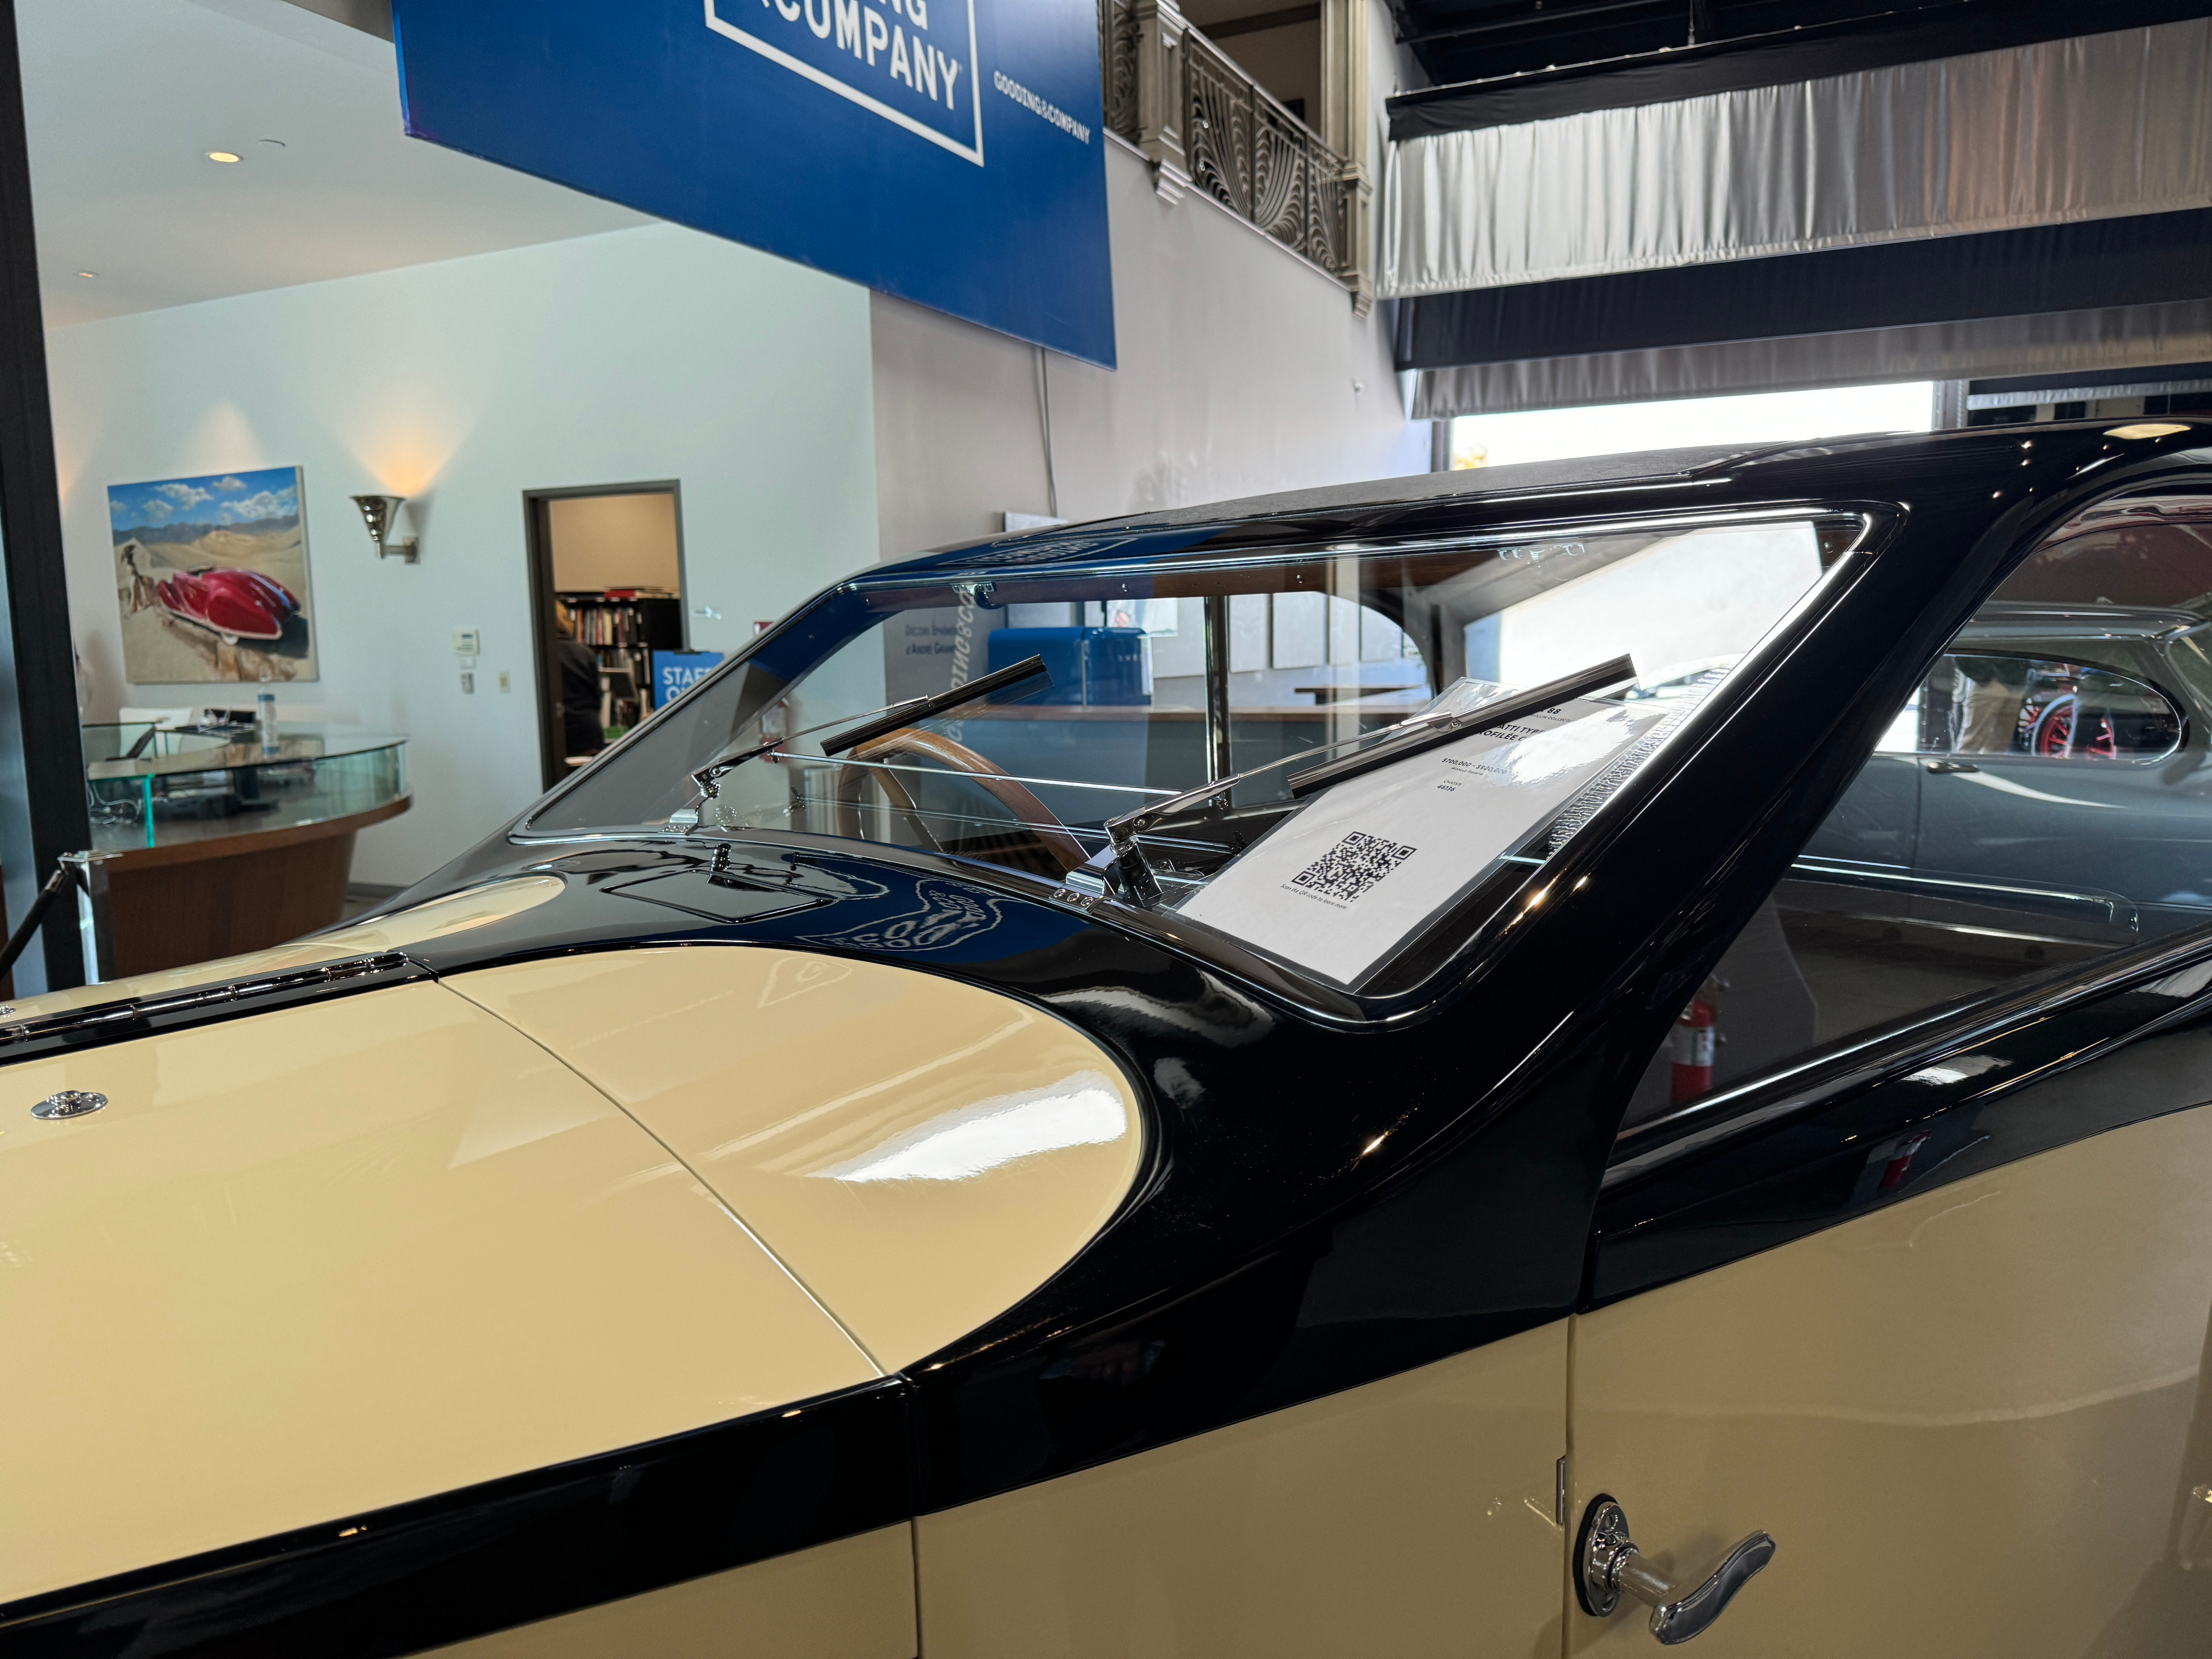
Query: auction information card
x,y
1339,886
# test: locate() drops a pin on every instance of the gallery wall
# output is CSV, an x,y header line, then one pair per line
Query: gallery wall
x,y
641,354
1243,370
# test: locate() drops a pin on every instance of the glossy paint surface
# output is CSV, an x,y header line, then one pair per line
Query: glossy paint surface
x,y
521,1550
1414,1516
1971,1421
850,1599
921,1153
347,1256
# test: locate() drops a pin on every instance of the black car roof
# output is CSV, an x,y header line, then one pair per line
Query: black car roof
x,y
1137,536
1474,483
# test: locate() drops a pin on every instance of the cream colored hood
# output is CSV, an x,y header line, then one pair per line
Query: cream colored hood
x,y
921,1153
319,1260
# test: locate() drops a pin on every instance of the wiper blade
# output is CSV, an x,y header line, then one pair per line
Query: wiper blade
x,y
1142,820
1502,712
889,717
943,702
1413,736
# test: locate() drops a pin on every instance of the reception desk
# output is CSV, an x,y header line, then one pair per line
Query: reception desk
x,y
216,842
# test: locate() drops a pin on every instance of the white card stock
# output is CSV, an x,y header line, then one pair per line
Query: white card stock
x,y
1339,886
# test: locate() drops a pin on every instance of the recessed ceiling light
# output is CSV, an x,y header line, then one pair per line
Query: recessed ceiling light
x,y
223,155
88,275
2147,429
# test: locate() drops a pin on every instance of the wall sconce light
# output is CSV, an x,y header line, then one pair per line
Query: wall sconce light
x,y
391,526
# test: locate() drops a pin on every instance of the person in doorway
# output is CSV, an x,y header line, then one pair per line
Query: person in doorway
x,y
581,732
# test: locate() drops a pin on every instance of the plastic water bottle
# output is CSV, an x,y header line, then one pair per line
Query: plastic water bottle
x,y
264,716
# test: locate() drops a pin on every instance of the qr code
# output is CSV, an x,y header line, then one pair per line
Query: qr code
x,y
1352,866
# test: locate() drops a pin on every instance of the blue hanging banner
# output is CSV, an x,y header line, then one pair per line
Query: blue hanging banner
x,y
946,151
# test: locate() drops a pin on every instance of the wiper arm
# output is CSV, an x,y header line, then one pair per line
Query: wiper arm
x,y
889,717
1401,741
1502,712
1140,820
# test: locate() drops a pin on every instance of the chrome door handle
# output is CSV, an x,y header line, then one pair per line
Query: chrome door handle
x,y
1944,768
1607,1563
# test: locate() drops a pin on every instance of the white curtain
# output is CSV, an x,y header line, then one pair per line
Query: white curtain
x,y
2098,127
2053,343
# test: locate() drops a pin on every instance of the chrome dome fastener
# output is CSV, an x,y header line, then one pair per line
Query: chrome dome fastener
x,y
69,1103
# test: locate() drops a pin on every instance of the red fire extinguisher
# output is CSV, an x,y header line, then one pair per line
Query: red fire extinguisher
x,y
1692,1046
1900,1162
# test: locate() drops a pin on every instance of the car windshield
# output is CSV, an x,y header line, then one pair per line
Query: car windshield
x,y
1169,677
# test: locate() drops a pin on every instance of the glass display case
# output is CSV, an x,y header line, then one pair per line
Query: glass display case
x,y
154,786
221,838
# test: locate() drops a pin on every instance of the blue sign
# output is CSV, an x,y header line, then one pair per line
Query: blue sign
x,y
946,151
675,673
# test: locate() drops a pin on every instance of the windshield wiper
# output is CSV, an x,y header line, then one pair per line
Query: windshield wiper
x,y
874,724
1413,736
1500,712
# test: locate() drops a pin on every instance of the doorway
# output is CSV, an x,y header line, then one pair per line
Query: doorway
x,y
606,592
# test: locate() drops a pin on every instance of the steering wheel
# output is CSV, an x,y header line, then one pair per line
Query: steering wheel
x,y
1062,851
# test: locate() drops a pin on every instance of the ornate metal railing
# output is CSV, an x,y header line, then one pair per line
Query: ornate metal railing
x,y
1117,64
1208,125
1250,154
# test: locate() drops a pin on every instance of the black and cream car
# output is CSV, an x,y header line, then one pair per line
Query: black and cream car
x,y
1385,1071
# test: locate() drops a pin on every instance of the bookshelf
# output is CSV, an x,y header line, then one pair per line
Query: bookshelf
x,y
623,626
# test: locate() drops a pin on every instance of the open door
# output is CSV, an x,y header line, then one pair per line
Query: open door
x,y
606,592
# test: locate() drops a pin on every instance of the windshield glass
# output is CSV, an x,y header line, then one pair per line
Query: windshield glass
x,y
1168,679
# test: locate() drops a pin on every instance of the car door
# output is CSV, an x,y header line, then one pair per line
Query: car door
x,y
1904,1337
1942,1337
1416,1514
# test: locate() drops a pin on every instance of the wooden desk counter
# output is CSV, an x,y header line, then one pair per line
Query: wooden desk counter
x,y
212,891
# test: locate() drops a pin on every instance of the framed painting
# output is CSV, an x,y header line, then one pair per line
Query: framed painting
x,y
211,575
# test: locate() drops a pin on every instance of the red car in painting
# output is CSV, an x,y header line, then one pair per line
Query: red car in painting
x,y
237,604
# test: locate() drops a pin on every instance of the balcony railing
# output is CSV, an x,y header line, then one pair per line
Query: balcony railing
x,y
1208,125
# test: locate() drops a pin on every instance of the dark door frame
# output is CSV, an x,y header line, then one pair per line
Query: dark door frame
x,y
538,541
42,788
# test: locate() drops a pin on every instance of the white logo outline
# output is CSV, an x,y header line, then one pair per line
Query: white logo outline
x,y
843,89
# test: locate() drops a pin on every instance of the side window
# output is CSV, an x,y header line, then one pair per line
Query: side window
x,y
2044,797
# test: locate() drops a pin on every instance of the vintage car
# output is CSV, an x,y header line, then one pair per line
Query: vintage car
x,y
1453,1065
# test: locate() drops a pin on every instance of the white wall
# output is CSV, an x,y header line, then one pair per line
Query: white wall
x,y
1242,370
646,353
614,541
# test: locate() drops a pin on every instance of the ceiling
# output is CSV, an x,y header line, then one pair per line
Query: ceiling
x,y
1459,41
124,98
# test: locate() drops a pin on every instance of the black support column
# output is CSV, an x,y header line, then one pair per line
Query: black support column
x,y
42,797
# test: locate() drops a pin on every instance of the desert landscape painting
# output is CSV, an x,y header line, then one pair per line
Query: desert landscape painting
x,y
211,577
